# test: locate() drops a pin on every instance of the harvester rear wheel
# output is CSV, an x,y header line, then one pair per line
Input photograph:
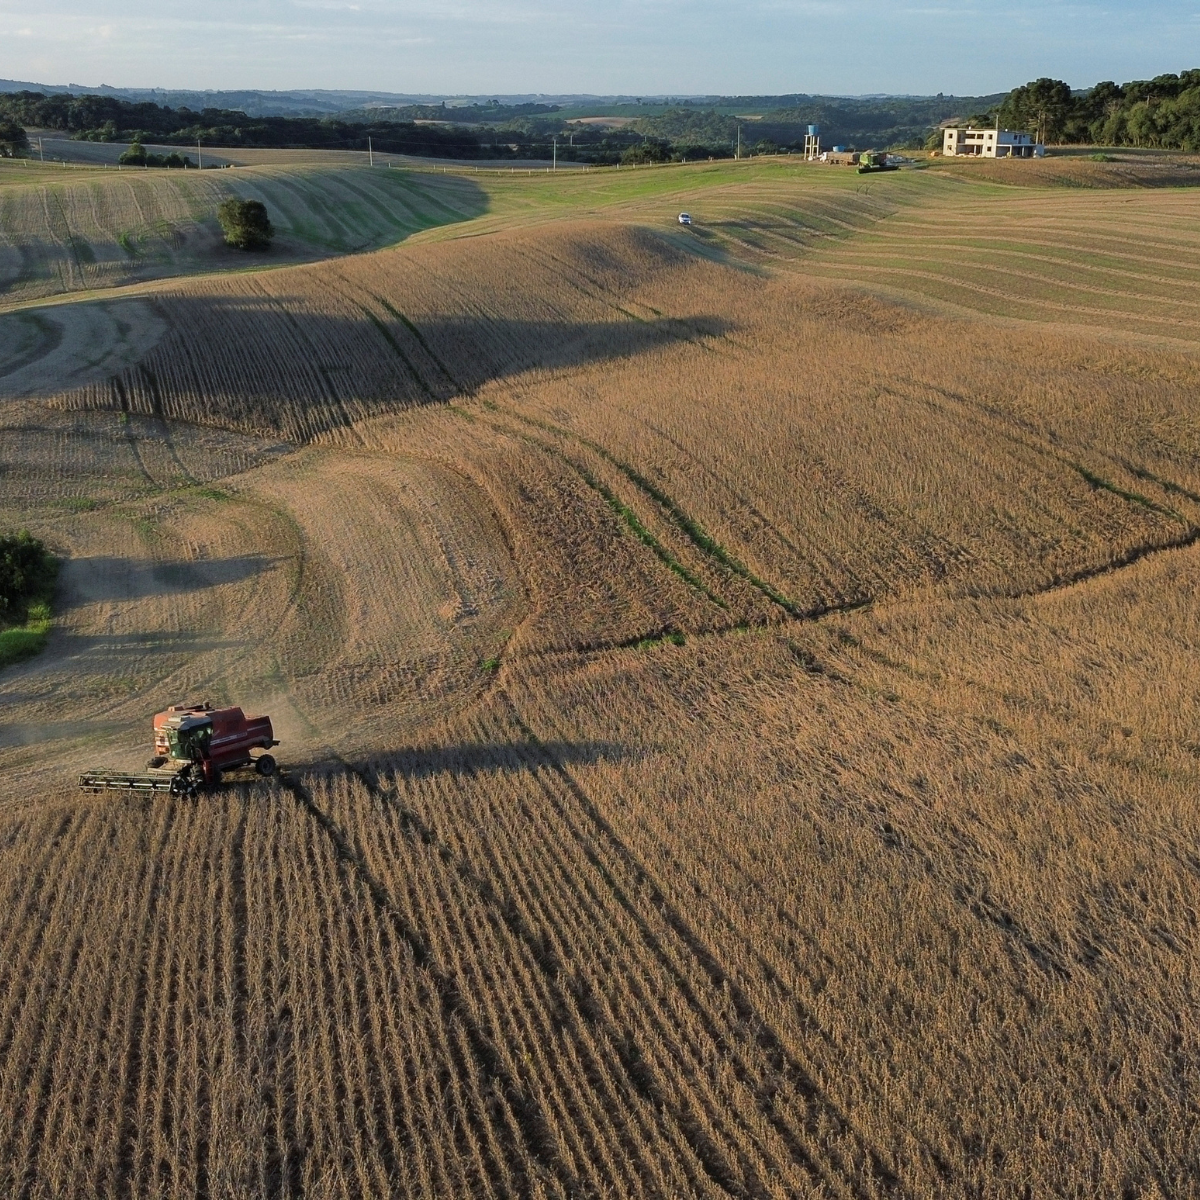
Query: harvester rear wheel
x,y
265,765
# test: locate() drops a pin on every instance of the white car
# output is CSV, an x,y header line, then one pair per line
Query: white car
x,y
685,219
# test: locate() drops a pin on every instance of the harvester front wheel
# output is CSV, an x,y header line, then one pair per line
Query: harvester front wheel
x,y
265,765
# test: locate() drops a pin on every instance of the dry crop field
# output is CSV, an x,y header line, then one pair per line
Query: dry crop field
x,y
67,230
737,690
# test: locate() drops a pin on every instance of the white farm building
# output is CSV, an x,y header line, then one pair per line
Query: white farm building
x,y
990,143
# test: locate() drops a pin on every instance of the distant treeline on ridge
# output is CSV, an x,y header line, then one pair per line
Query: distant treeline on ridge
x,y
106,119
1163,112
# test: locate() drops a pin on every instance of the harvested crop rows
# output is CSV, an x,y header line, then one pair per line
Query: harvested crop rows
x,y
108,228
1111,259
733,749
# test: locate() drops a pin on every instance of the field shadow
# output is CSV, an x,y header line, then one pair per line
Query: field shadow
x,y
293,372
104,579
491,758
464,760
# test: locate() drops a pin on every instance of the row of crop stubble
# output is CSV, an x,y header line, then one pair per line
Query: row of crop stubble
x,y
836,445
105,230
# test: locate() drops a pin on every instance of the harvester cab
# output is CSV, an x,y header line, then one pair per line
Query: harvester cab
x,y
194,745
188,737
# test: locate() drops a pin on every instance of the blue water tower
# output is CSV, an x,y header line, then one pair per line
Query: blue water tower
x,y
814,130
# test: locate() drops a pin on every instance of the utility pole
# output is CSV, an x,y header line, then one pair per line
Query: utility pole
x,y
370,152
739,145
555,167
199,160
41,150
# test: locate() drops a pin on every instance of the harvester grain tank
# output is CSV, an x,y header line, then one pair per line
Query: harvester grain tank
x,y
194,745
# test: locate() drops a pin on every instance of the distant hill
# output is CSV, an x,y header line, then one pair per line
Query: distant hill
x,y
302,101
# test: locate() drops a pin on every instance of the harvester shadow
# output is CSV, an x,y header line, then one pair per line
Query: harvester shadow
x,y
296,372
101,579
463,760
492,758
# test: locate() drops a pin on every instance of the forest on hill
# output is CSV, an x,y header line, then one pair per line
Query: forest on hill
x,y
107,119
1163,112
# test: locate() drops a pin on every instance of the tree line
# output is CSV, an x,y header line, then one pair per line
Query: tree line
x,y
1163,112
106,119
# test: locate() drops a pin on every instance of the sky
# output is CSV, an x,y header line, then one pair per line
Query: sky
x,y
631,47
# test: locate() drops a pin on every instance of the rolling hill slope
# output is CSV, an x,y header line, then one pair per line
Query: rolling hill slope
x,y
81,231
736,692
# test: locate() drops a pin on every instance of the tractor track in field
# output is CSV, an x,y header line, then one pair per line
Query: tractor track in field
x,y
712,550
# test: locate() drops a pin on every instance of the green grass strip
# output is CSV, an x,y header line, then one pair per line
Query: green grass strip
x,y
694,530
644,535
21,642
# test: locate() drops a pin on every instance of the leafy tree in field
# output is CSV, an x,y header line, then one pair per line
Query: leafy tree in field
x,y
26,572
245,224
1140,127
135,156
13,141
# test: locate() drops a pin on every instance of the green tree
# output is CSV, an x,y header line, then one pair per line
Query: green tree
x,y
13,141
1041,107
135,156
245,224
1139,124
26,569
646,152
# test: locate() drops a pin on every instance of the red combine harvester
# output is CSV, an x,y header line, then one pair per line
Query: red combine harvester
x,y
194,745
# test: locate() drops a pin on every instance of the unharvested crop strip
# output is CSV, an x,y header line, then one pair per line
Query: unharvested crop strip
x,y
640,1074
551,967
420,337
126,1166
123,399
757,1030
388,337
529,1120
156,406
